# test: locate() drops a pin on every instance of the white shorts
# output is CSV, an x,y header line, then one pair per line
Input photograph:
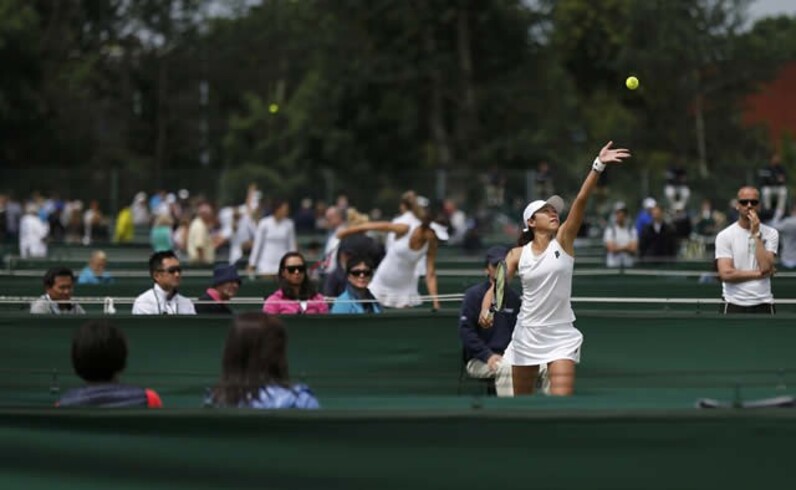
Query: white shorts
x,y
534,346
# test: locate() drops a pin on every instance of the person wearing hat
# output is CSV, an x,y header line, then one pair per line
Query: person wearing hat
x,y
544,259
485,345
395,281
225,286
620,239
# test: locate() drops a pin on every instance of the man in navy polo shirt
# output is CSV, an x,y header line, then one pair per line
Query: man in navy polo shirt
x,y
485,345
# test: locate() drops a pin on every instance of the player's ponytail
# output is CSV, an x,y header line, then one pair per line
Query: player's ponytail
x,y
525,238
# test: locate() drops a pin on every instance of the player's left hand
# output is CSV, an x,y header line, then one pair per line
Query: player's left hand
x,y
613,155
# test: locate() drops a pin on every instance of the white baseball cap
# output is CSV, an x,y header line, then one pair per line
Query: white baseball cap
x,y
532,208
440,230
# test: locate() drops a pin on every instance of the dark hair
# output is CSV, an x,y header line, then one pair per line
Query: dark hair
x,y
99,351
358,259
277,203
306,289
526,237
156,260
255,356
59,271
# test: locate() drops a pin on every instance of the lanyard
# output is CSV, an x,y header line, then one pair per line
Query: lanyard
x,y
165,309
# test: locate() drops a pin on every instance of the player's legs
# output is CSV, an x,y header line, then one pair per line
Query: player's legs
x,y
562,377
767,195
671,194
782,199
683,192
524,379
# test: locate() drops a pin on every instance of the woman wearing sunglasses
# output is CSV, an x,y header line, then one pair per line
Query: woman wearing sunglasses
x,y
296,294
357,298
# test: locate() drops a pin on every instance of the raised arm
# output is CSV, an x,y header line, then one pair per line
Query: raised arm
x,y
385,226
569,229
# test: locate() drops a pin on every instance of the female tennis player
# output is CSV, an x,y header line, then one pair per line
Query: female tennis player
x,y
545,333
395,281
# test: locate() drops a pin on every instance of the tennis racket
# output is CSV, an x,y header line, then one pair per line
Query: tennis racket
x,y
499,298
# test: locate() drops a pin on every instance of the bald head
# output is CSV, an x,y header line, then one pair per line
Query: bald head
x,y
748,192
98,262
334,217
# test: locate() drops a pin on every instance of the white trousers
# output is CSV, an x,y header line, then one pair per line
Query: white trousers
x,y
477,368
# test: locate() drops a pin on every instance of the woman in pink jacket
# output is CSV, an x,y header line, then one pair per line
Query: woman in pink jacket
x,y
296,295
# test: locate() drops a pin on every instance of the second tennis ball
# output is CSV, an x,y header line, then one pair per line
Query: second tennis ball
x,y
631,83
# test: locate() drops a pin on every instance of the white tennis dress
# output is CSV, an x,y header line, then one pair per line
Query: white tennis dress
x,y
395,281
545,330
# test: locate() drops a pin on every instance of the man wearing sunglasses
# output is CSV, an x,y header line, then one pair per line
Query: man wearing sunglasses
x,y
745,257
163,298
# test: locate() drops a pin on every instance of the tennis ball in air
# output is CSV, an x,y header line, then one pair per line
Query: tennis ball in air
x,y
631,83
273,108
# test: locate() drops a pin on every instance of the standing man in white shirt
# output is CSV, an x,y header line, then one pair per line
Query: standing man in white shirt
x,y
745,256
620,239
163,298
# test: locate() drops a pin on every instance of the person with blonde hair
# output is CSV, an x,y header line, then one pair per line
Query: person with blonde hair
x,y
395,283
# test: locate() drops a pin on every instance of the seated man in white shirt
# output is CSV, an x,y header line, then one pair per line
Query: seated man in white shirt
x,y
620,239
163,298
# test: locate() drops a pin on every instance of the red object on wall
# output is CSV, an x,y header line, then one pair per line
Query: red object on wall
x,y
774,106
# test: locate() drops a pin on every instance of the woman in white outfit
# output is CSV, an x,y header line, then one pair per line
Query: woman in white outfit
x,y
545,333
275,236
395,282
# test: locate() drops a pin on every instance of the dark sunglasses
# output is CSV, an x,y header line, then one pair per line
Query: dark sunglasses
x,y
746,202
172,270
360,272
293,269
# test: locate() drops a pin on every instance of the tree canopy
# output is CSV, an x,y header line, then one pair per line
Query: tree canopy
x,y
377,95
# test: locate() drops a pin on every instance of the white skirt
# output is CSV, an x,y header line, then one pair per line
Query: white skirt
x,y
541,345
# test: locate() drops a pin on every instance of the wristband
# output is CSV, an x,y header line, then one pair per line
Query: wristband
x,y
598,166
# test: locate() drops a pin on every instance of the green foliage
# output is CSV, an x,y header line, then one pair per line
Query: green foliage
x,y
376,96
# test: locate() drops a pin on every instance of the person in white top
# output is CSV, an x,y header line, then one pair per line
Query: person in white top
x,y
334,223
745,258
544,333
163,298
412,208
395,281
275,236
32,233
620,239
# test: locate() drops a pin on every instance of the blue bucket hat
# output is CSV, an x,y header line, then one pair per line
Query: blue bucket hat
x,y
225,273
